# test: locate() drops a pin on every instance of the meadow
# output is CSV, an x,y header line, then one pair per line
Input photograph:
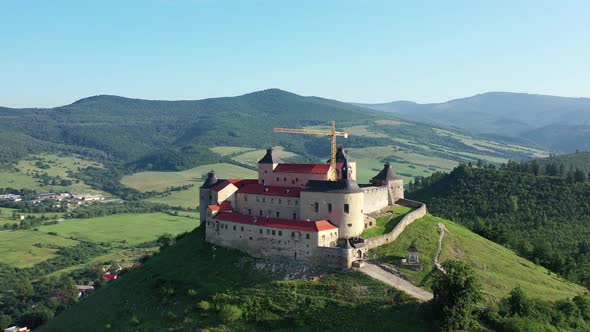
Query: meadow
x,y
498,268
130,229
17,248
252,157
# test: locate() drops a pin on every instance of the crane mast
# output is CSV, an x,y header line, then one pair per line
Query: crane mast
x,y
332,133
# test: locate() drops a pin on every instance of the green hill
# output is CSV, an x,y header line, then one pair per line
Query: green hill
x,y
543,218
498,268
579,160
193,286
177,135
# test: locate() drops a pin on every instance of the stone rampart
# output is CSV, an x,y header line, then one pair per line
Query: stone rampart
x,y
380,240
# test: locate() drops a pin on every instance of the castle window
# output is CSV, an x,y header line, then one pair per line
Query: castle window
x,y
278,179
261,213
294,215
273,232
296,202
292,234
346,208
278,214
285,179
250,211
329,207
234,228
371,223
268,232
245,198
288,202
280,201
242,229
257,199
307,236
292,181
264,172
296,179
272,200
316,207
280,233
261,231
263,199
349,225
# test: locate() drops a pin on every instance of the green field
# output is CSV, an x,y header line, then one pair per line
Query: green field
x,y
58,166
252,157
17,247
498,268
128,228
386,224
159,181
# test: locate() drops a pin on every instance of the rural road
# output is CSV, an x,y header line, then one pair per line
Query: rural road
x,y
376,271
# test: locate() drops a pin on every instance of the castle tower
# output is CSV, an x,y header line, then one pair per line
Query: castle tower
x,y
342,155
394,183
266,166
341,202
205,198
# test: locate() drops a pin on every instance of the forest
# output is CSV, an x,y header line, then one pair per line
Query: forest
x,y
541,212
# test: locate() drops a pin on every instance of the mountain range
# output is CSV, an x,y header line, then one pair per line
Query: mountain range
x,y
561,124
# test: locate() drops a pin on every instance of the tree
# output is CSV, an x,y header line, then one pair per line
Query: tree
x,y
68,290
456,294
519,303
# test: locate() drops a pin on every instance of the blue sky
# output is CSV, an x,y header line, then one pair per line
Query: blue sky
x,y
55,52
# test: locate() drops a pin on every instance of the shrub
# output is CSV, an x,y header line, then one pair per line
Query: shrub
x,y
230,313
204,305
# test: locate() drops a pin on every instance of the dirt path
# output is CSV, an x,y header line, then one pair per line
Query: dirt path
x,y
443,233
388,275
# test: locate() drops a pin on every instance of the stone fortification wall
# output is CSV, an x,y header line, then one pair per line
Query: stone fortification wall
x,y
380,240
376,198
335,257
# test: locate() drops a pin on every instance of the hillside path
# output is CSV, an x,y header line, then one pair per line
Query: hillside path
x,y
389,276
443,233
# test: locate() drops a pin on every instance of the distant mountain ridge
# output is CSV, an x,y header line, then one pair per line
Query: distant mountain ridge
x,y
542,119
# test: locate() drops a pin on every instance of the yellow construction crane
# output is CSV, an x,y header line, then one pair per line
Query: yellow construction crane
x,y
332,133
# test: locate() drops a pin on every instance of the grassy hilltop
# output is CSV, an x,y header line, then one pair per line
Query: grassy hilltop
x,y
191,286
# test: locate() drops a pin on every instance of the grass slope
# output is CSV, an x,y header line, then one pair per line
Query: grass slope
x,y
387,223
17,248
498,268
164,293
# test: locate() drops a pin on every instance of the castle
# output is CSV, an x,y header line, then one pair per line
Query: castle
x,y
295,211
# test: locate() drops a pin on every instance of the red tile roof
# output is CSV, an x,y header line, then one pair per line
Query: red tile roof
x,y
236,182
303,168
302,225
261,189
224,206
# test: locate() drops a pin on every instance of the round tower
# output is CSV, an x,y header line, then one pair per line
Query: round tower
x,y
352,200
266,166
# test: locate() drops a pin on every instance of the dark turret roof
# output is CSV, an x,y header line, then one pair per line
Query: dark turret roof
x,y
387,174
270,158
412,248
341,155
210,181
